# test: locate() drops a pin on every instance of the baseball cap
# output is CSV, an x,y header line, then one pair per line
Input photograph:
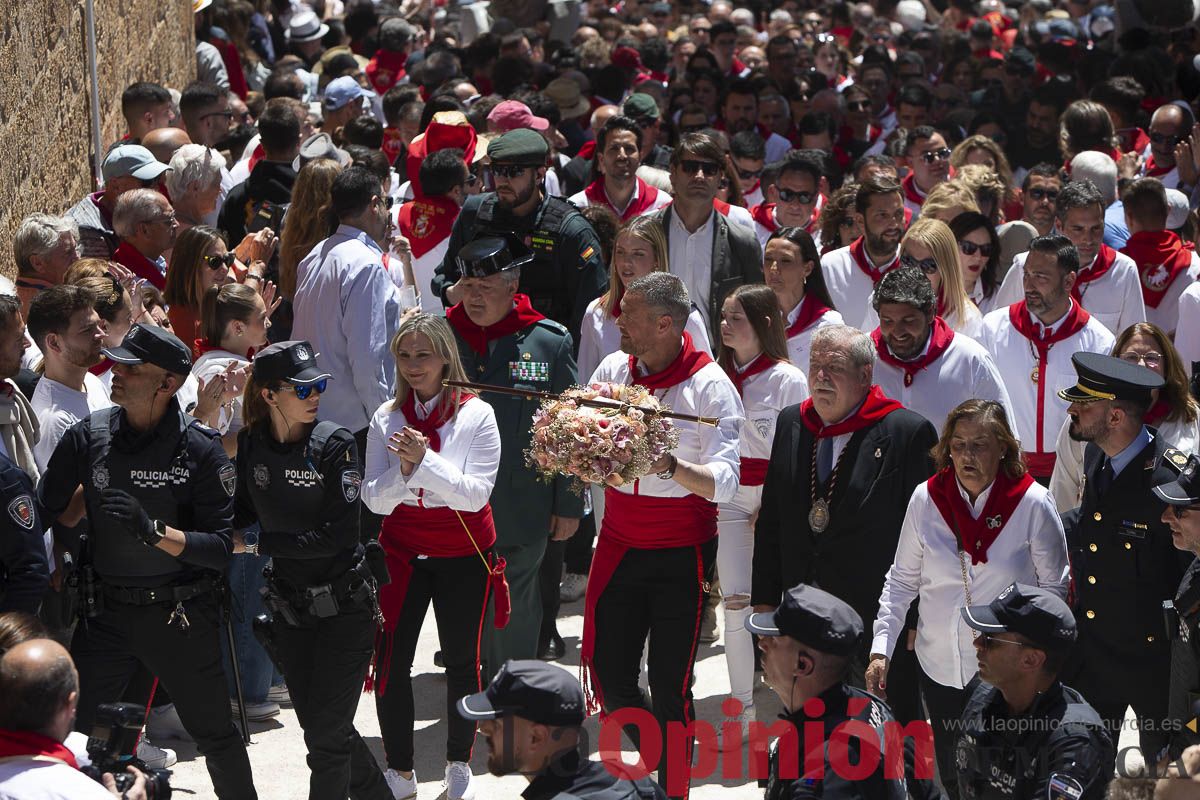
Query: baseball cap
x,y
132,159
511,115
535,690
294,362
1041,617
813,617
341,91
150,344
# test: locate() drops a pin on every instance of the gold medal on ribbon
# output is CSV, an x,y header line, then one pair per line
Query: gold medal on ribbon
x,y
1035,375
818,516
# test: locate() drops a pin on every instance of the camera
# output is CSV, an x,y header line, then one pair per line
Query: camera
x,y
112,746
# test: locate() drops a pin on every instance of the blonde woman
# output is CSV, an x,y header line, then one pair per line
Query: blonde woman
x,y
988,188
947,200
983,151
929,245
432,458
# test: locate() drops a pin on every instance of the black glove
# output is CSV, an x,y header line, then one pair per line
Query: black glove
x,y
126,511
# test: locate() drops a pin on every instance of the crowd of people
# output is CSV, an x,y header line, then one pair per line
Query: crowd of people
x,y
930,268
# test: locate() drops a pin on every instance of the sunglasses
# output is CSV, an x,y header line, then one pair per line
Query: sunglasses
x,y
930,156
970,249
859,105
225,114
509,171
303,392
926,265
748,174
388,202
789,196
471,180
216,262
692,166
1165,139
1043,194
989,639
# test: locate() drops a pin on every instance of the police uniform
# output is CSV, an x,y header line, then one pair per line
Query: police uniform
x,y
1058,748
548,695
320,590
1123,561
539,357
153,608
567,271
822,622
24,567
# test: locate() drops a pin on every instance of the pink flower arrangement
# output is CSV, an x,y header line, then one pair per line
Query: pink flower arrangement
x,y
600,445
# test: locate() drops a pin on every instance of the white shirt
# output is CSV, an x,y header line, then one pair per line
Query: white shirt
x,y
213,363
30,779
1187,330
1169,180
691,259
740,216
58,407
1038,411
227,183
347,307
661,200
461,475
241,170
963,372
800,345
763,397
753,198
1031,549
600,337
708,393
1114,298
850,289
970,325
1166,316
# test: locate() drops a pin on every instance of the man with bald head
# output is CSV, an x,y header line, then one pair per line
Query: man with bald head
x,y
1169,126
163,142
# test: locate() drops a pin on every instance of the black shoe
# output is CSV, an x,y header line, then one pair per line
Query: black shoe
x,y
553,649
437,660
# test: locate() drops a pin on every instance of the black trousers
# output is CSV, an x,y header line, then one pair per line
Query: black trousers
x,y
548,582
325,662
109,650
369,523
657,593
945,706
579,547
458,588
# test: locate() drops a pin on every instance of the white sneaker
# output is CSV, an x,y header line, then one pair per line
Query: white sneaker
x,y
573,587
743,721
164,724
257,712
155,757
279,694
458,781
402,788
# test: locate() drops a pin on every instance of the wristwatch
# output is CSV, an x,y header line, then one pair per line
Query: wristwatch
x,y
669,472
250,542
160,532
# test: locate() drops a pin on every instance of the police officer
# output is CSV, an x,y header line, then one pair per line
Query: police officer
x,y
567,271
531,714
504,341
807,644
1182,516
1025,734
299,479
1122,559
158,492
24,566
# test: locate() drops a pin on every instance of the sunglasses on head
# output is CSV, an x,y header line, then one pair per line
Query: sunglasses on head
x,y
926,265
303,391
790,196
509,171
216,262
1044,194
1166,139
930,156
692,166
970,248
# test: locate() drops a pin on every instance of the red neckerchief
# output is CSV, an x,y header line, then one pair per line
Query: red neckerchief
x,y
28,743
1160,257
846,134
202,346
587,151
1157,412
764,214
522,316
811,310
687,363
1018,315
129,256
642,201
385,69
1103,263
429,426
258,155
843,35
393,144
816,213
940,337
427,222
761,363
104,366
875,407
721,206
858,252
976,535
1135,142
1153,170
911,193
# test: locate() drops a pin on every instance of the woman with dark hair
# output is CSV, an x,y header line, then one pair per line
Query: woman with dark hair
x,y
858,133
201,260
792,269
754,354
838,224
1086,125
1174,413
979,524
979,257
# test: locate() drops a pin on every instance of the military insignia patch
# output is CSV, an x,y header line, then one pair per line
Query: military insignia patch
x,y
587,253
1063,787
100,478
1177,457
21,511
351,481
228,476
529,370
262,476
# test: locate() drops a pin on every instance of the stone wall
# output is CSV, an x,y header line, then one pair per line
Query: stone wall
x,y
45,111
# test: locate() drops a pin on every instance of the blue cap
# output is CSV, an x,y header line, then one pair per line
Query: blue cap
x,y
341,91
132,159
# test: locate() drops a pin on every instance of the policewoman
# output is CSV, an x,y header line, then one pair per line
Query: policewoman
x,y
24,563
299,479
158,492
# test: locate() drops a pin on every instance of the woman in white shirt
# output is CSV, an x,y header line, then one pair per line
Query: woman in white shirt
x,y
792,268
979,258
930,245
1174,413
432,456
979,524
754,355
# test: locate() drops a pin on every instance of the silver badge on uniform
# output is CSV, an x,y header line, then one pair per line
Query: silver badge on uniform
x,y
262,476
1063,787
302,353
100,478
351,481
21,511
228,476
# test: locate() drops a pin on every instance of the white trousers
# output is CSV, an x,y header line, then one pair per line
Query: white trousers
x,y
735,553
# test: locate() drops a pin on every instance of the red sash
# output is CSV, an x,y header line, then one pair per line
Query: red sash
x,y
642,201
858,252
761,363
129,256
1103,263
687,363
522,316
911,194
1153,170
385,69
753,471
875,407
1160,257
976,535
28,743
427,222
940,337
811,310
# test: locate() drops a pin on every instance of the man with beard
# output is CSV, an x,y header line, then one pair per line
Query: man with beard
x,y
1169,126
1122,557
739,112
531,716
1031,342
1107,284
852,272
567,271
618,187
920,360
1039,195
1037,140
928,160
795,199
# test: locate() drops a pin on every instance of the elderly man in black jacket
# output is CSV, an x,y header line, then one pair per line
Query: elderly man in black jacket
x,y
843,467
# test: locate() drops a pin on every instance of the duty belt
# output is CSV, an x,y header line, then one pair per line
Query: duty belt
x,y
355,586
176,593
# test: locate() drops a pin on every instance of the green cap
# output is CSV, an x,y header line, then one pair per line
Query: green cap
x,y
640,106
521,146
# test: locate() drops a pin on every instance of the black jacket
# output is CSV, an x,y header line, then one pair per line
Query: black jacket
x,y
570,777
269,182
24,569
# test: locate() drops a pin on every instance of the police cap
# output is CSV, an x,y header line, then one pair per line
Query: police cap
x,y
534,690
490,254
1038,615
813,617
522,146
1185,489
294,362
150,344
1104,377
